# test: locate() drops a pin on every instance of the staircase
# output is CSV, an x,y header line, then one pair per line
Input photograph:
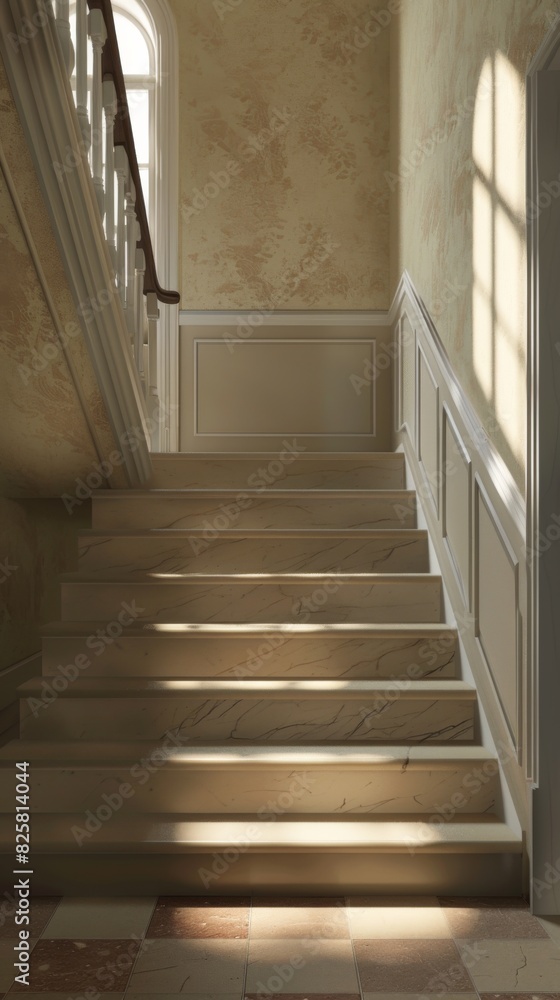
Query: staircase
x,y
258,694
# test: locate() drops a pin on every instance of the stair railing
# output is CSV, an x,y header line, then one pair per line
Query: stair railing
x,y
108,141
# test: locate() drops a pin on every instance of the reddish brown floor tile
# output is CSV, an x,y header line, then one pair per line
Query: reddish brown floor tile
x,y
411,966
200,917
58,966
42,909
491,918
293,901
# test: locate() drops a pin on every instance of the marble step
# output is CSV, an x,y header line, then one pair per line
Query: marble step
x,y
265,781
280,550
240,651
135,855
269,598
215,510
271,711
285,469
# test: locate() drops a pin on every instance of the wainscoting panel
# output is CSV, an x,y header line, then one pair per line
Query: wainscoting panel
x,y
246,388
456,490
427,422
476,518
496,605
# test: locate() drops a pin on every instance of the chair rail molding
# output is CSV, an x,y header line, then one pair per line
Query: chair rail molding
x,y
39,81
475,514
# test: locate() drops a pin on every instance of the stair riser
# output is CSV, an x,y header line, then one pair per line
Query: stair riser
x,y
264,793
136,556
307,873
300,474
328,601
272,655
260,512
272,720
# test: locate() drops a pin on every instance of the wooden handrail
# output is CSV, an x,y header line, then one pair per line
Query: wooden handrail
x,y
112,69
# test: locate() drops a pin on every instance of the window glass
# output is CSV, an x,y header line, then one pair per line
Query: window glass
x,y
135,55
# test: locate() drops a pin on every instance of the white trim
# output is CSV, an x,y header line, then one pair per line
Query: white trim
x,y
501,475
282,318
78,387
483,460
543,417
166,211
43,97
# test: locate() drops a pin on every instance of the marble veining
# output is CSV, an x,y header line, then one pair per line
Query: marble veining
x,y
323,600
257,512
202,552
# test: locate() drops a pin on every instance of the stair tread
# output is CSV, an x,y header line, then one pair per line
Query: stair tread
x,y
289,690
72,754
261,578
321,493
243,629
250,533
244,456
146,834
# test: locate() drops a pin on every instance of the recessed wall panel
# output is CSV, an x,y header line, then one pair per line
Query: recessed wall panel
x,y
496,593
456,504
428,426
267,387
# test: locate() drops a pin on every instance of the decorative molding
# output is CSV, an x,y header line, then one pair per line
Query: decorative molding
x,y
289,343
480,494
465,585
88,417
282,318
43,98
435,497
501,476
487,471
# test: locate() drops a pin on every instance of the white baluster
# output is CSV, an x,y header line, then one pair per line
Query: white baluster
x,y
63,31
152,399
140,270
81,71
110,106
121,166
98,35
131,240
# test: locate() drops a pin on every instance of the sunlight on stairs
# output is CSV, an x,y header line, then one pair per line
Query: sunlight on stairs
x,y
252,689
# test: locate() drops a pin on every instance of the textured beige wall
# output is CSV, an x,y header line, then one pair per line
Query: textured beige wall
x,y
457,179
284,111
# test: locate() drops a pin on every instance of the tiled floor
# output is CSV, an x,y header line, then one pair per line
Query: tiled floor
x,y
321,949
